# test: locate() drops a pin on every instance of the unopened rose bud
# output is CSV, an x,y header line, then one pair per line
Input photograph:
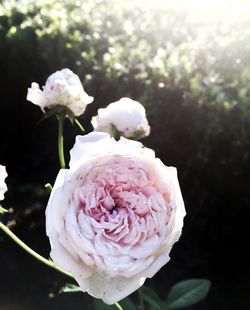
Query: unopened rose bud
x,y
125,117
62,88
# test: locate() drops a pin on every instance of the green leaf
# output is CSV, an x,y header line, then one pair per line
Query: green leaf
x,y
151,297
187,293
70,288
100,305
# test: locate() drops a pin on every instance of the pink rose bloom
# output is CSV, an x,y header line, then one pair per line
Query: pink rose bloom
x,y
113,217
62,88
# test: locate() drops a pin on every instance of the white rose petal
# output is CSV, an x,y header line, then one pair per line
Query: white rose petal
x,y
62,88
126,116
114,216
3,186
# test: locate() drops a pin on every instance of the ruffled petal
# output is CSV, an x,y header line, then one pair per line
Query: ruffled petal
x,y
110,290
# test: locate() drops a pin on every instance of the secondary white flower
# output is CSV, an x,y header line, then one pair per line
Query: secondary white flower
x,y
113,217
3,186
62,88
126,116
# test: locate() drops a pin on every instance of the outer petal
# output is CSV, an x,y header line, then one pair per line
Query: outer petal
x,y
54,225
157,264
36,96
57,203
64,259
137,148
3,186
99,143
110,290
90,145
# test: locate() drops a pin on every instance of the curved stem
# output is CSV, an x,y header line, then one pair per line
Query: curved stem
x,y
118,306
30,251
37,256
49,187
60,141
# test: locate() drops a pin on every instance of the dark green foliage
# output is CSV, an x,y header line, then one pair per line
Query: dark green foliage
x,y
187,293
193,81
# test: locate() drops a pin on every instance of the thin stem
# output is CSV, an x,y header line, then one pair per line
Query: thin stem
x,y
49,187
2,210
118,306
140,292
79,124
60,141
30,251
37,256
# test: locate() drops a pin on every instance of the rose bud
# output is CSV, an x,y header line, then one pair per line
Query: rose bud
x,y
62,88
124,117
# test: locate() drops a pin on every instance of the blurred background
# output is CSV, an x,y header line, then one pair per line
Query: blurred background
x,y
188,63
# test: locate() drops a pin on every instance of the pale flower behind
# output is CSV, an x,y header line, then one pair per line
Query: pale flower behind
x,y
62,88
126,116
3,186
113,216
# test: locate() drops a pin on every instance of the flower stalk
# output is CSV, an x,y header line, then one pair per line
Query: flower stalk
x,y
61,141
79,124
37,256
33,253
118,306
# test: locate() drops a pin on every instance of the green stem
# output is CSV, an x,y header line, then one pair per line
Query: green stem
x,y
60,141
37,256
49,187
119,307
2,210
79,124
30,251
140,292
